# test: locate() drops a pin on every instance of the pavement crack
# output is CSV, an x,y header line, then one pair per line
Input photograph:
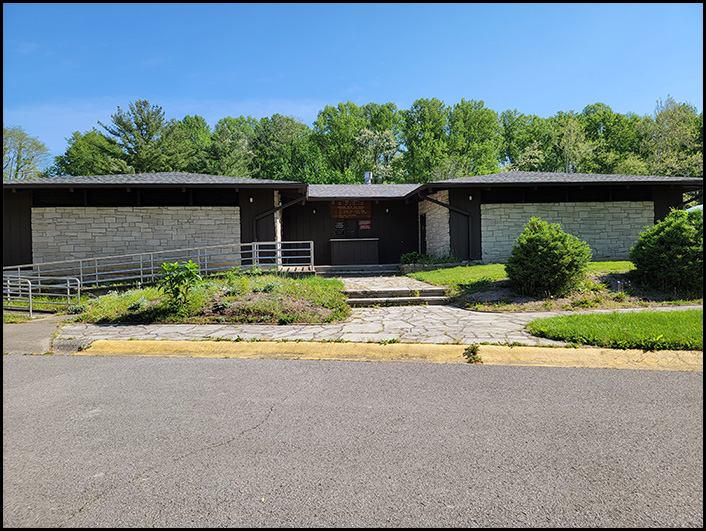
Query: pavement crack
x,y
173,460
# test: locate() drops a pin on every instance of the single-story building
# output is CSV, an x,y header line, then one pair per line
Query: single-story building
x,y
473,218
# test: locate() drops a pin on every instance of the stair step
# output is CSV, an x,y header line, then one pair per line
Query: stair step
x,y
394,292
358,270
397,301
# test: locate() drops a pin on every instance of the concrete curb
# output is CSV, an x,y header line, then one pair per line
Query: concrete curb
x,y
403,352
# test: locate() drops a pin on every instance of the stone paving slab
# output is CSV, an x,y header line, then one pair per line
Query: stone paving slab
x,y
405,324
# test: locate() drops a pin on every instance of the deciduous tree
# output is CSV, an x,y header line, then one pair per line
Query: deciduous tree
x,y
22,155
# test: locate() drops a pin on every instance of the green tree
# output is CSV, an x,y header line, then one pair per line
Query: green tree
x,y
570,146
90,153
425,137
525,141
612,140
474,137
334,132
282,150
230,150
198,137
150,142
380,154
22,155
673,140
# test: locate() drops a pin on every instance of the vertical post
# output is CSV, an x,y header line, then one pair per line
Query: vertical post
x,y
255,254
30,297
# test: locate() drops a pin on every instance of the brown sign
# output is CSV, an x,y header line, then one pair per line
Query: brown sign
x,y
351,209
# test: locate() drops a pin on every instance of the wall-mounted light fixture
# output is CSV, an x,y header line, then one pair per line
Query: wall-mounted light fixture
x,y
313,211
470,198
251,199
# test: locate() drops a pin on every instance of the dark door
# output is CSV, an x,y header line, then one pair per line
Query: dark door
x,y
351,228
423,233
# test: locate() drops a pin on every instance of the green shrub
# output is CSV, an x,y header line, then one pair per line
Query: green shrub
x,y
178,279
547,261
669,255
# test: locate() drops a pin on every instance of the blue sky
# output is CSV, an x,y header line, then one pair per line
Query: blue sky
x,y
68,66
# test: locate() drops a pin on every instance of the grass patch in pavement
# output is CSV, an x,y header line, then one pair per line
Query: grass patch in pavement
x,y
648,330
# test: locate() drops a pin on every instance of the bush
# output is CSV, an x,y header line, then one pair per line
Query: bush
x,y
669,255
178,280
547,261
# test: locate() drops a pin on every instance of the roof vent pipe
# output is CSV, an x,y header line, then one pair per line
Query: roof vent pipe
x,y
368,177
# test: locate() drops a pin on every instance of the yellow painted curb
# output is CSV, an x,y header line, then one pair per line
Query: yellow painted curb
x,y
600,358
397,352
280,350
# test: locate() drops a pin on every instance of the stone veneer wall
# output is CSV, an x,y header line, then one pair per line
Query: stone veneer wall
x,y
438,236
610,229
67,233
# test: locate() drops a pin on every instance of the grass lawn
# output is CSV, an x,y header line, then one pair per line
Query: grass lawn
x,y
233,298
666,330
486,288
465,277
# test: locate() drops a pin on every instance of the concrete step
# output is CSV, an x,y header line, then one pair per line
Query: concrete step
x,y
387,293
397,301
378,270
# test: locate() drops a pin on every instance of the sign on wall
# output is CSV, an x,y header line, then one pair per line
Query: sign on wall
x,y
351,209
364,224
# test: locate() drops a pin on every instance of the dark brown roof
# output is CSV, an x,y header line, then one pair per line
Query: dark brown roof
x,y
538,178
152,179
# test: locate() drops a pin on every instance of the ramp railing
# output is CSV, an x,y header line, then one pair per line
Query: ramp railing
x,y
146,267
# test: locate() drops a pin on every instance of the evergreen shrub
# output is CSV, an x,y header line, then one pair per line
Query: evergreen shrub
x,y
546,261
669,255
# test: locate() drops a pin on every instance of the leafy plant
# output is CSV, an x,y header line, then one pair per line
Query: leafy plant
x,y
471,354
547,261
178,279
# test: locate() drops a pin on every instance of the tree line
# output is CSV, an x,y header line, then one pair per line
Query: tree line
x,y
427,142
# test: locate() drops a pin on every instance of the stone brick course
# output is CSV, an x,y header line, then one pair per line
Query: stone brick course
x,y
67,233
438,240
610,229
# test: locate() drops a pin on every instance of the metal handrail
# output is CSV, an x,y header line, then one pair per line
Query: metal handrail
x,y
145,267
50,288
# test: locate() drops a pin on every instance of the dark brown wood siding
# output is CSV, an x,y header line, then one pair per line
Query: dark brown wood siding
x,y
262,201
394,223
460,224
16,227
